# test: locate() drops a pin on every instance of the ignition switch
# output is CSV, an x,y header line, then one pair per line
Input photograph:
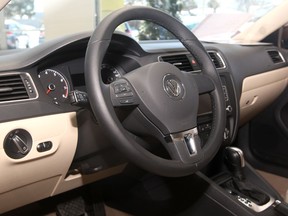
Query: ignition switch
x,y
18,143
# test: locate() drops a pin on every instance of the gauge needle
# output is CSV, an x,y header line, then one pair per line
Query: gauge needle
x,y
48,91
50,87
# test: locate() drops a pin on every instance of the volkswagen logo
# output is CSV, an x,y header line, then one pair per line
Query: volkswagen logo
x,y
173,86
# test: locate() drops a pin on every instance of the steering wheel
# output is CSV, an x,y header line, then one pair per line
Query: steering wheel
x,y
162,100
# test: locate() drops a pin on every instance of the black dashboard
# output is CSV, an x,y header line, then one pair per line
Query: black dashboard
x,y
56,68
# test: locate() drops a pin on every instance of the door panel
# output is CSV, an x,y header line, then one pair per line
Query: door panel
x,y
265,138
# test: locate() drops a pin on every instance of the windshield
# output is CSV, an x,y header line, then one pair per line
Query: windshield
x,y
28,23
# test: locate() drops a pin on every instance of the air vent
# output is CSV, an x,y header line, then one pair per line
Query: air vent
x,y
217,59
275,56
180,61
12,88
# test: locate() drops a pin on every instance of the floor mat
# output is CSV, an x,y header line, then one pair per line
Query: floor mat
x,y
80,207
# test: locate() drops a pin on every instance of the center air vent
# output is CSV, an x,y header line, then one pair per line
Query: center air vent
x,y
12,88
217,60
275,56
180,61
188,63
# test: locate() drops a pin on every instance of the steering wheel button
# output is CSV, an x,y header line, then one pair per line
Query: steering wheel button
x,y
116,89
123,89
128,88
127,101
126,94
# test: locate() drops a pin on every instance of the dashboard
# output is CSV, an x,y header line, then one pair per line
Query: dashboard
x,y
42,132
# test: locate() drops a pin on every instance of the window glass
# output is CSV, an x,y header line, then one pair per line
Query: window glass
x,y
28,23
284,37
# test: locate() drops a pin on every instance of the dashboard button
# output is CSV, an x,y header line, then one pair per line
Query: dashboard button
x,y
45,146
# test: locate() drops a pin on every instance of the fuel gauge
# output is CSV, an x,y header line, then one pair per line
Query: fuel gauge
x,y
55,84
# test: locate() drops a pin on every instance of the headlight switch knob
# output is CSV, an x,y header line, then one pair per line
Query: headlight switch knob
x,y
17,143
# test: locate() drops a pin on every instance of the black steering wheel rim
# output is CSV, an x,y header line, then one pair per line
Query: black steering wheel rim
x,y
104,111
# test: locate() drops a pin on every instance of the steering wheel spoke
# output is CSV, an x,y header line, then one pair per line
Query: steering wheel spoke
x,y
123,94
204,83
185,146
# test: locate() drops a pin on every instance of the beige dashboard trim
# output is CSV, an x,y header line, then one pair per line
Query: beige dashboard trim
x,y
3,3
74,181
41,175
259,91
253,32
35,176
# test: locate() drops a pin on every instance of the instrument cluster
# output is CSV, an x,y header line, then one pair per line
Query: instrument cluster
x,y
57,85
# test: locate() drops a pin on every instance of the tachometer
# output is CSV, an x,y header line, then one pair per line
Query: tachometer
x,y
109,73
55,84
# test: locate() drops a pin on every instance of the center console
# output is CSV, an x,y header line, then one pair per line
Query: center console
x,y
240,189
205,111
235,183
227,187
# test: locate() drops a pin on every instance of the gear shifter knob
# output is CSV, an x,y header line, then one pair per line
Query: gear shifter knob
x,y
235,161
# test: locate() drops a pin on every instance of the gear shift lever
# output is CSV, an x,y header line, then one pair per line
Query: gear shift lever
x,y
235,161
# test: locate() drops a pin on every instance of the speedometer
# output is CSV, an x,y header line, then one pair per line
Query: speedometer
x,y
55,85
109,73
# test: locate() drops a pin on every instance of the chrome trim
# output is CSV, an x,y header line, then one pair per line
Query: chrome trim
x,y
173,87
257,208
280,54
180,136
187,137
282,57
220,57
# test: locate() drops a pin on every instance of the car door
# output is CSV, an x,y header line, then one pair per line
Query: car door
x,y
265,138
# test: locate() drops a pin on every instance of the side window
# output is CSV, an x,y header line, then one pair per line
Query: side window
x,y
284,37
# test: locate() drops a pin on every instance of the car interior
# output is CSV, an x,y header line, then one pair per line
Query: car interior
x,y
97,123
